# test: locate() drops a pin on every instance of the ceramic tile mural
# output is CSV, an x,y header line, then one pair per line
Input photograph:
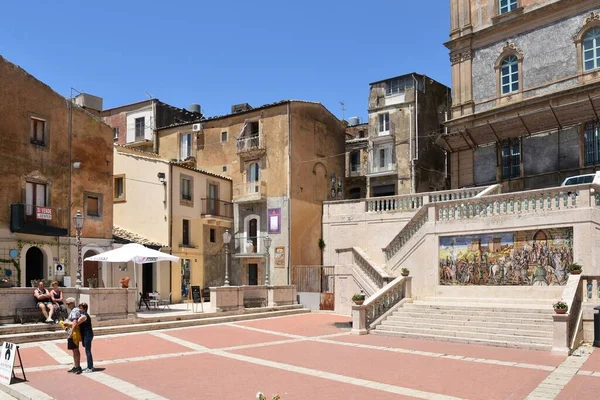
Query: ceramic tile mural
x,y
537,258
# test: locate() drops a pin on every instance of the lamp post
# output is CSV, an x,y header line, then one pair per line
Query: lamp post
x,y
267,245
226,240
78,221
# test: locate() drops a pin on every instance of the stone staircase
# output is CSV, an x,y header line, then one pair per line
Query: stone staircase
x,y
488,322
33,332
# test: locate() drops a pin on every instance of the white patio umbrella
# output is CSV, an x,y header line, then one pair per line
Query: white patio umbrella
x,y
133,252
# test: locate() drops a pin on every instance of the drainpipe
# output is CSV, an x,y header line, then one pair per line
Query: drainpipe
x,y
154,132
288,191
410,146
416,155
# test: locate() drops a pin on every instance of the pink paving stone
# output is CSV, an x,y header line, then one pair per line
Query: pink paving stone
x,y
459,349
62,386
313,324
139,345
581,388
207,376
35,357
219,336
593,362
444,376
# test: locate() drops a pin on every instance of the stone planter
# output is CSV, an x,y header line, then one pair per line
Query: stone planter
x,y
575,272
405,274
560,310
5,284
359,302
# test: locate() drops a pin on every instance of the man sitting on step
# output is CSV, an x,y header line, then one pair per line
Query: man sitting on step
x,y
44,300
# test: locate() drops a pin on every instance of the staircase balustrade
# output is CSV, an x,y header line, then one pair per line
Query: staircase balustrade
x,y
406,233
376,274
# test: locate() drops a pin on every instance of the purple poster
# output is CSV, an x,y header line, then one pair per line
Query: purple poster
x,y
274,220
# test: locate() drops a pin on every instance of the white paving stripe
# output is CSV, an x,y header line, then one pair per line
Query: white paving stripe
x,y
251,328
124,387
178,341
561,376
335,377
24,391
57,353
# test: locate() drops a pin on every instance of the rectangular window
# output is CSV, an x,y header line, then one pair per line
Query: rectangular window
x,y
35,195
38,131
224,168
592,143
223,137
382,158
115,133
213,199
92,205
119,188
384,123
355,161
186,233
399,85
507,6
213,235
253,128
186,145
186,188
511,159
140,126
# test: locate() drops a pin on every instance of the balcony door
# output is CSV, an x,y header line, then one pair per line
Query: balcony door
x,y
35,195
253,233
213,199
383,158
253,177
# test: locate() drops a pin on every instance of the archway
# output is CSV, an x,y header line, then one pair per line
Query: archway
x,y
90,269
34,265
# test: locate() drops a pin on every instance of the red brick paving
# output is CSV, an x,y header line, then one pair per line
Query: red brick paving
x,y
207,376
581,388
314,324
451,377
35,357
110,348
219,336
592,363
459,349
62,386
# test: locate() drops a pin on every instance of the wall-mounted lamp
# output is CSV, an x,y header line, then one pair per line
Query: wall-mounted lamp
x,y
77,164
161,177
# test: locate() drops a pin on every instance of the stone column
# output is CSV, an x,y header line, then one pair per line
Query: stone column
x,y
560,344
359,320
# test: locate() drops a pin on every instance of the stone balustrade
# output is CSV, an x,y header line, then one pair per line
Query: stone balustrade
x,y
378,275
396,203
380,304
233,298
406,233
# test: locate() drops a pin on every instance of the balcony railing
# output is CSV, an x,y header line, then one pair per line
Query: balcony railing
x,y
251,144
217,208
378,169
249,191
356,170
37,220
244,245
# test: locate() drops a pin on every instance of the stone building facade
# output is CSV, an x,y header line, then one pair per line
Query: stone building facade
x,y
283,159
57,159
526,92
398,154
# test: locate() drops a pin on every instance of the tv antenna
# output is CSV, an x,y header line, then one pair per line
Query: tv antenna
x,y
343,106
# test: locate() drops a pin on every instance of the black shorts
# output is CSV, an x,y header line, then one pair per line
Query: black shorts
x,y
71,345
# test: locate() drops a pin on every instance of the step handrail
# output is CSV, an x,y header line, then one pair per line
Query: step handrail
x,y
378,275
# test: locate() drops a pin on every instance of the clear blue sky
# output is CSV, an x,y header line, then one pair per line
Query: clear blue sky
x,y
219,53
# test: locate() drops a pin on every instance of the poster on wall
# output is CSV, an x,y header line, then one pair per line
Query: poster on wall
x,y
520,258
274,220
280,256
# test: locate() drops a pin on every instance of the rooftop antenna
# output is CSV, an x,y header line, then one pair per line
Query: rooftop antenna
x,y
149,95
342,104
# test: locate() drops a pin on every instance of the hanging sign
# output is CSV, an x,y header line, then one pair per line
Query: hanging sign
x,y
43,213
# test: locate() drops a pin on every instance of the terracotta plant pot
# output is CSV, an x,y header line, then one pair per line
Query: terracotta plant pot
x,y
575,272
404,274
359,302
560,310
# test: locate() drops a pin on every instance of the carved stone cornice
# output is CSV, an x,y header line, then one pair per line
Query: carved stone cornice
x,y
458,57
510,47
594,16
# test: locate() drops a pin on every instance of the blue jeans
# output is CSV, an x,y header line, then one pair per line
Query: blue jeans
x,y
87,344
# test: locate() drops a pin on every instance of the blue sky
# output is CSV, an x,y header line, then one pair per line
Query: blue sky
x,y
227,52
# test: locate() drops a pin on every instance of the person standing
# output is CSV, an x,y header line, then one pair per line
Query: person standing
x,y
87,335
44,300
71,323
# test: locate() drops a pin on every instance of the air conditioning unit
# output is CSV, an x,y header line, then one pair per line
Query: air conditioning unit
x,y
197,127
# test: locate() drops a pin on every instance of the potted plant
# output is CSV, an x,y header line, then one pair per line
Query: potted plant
x,y
405,272
575,269
92,282
358,298
5,283
124,282
560,307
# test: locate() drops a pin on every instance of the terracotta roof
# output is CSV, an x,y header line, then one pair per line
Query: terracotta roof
x,y
136,150
125,235
183,165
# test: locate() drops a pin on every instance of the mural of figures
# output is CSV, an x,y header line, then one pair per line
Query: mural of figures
x,y
537,258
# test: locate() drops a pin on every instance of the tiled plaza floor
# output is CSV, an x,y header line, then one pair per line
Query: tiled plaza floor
x,y
304,356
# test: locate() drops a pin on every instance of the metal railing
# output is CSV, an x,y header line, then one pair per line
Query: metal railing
x,y
312,278
250,190
377,169
29,218
243,244
251,143
356,170
217,208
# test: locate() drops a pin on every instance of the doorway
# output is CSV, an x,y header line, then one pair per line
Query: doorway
x,y
253,274
252,232
90,270
148,278
34,265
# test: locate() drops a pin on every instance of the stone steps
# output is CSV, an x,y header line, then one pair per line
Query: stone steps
x,y
53,332
520,325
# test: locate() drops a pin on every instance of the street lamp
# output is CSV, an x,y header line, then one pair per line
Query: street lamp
x,y
226,240
267,245
78,221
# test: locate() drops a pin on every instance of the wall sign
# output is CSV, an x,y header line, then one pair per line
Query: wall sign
x,y
274,220
280,256
43,213
7,362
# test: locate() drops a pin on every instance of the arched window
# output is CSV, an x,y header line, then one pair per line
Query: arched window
x,y
591,49
509,74
253,172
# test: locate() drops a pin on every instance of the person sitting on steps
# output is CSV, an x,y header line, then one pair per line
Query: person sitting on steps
x,y
57,300
44,301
